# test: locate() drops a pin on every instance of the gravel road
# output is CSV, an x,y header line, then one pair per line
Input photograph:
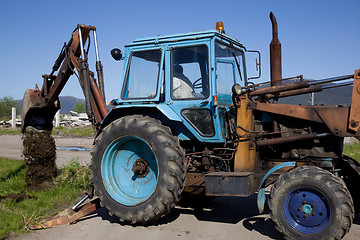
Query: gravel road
x,y
224,218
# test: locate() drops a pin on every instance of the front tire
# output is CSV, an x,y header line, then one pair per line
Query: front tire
x,y
138,169
311,203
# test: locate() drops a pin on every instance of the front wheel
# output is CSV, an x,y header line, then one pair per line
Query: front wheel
x,y
311,203
138,169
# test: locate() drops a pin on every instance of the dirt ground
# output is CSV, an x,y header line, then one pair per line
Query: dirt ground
x,y
224,218
39,152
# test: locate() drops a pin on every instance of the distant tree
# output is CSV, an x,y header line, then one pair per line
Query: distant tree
x,y
6,104
79,107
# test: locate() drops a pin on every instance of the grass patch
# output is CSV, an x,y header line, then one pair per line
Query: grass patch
x,y
353,151
78,132
15,213
10,131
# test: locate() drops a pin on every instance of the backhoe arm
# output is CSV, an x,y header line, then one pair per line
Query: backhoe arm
x,y
40,106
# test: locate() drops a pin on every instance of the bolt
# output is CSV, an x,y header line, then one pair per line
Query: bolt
x,y
354,124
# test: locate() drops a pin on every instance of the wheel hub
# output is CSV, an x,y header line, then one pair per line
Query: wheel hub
x,y
307,208
140,168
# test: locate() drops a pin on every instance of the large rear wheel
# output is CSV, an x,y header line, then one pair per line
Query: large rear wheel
x,y
311,203
138,169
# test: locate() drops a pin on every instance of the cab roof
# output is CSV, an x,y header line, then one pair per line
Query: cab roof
x,y
183,37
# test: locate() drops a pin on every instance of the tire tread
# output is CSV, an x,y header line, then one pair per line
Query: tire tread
x,y
176,175
332,182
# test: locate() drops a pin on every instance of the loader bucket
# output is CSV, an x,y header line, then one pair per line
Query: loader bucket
x,y
35,112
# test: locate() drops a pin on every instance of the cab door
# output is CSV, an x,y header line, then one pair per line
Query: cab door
x,y
230,70
188,89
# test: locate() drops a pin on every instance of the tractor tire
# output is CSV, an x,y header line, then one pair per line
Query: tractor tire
x,y
311,203
138,169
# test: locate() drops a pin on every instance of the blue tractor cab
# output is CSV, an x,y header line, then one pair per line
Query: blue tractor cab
x,y
185,81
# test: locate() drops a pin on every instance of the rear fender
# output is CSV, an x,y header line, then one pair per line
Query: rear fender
x,y
157,111
261,194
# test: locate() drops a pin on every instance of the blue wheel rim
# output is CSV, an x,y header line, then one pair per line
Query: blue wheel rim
x,y
307,210
122,184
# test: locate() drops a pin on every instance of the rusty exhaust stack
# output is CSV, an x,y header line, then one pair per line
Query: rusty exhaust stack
x,y
275,54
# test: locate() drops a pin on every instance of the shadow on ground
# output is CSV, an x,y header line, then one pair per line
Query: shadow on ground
x,y
230,210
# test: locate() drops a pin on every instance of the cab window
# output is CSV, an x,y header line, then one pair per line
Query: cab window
x,y
142,75
189,72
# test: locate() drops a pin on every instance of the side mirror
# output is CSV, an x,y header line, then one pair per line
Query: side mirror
x,y
257,64
116,54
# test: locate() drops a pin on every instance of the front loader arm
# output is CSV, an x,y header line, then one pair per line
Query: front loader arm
x,y
341,121
354,117
40,106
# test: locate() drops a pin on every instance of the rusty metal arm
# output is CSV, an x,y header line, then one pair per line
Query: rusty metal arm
x,y
40,106
66,69
93,94
354,118
279,88
290,139
335,118
298,88
295,92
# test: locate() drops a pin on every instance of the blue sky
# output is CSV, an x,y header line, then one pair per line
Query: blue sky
x,y
319,38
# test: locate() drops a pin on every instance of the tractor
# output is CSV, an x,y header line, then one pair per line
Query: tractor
x,y
189,120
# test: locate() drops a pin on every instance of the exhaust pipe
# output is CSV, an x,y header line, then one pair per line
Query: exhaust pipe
x,y
275,54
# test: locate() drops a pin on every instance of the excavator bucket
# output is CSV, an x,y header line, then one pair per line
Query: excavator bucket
x,y
35,111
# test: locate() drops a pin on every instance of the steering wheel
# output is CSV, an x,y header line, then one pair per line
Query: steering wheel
x,y
198,83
